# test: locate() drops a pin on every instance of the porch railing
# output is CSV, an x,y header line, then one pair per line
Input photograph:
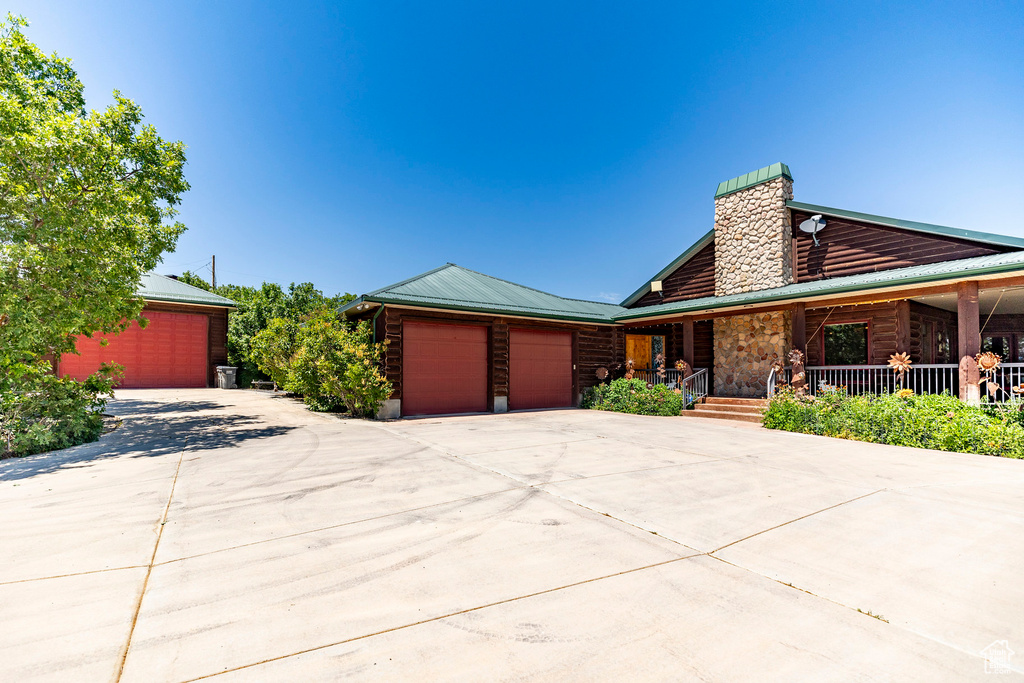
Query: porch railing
x,y
694,386
1005,378
921,379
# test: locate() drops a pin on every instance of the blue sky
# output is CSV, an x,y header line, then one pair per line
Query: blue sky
x,y
572,147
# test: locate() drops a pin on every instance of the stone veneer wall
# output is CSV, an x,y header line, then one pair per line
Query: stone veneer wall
x,y
753,239
745,348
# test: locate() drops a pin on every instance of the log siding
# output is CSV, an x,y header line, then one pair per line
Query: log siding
x,y
692,280
881,319
848,247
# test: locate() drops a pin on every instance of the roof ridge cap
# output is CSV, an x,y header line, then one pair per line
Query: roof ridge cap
x,y
532,289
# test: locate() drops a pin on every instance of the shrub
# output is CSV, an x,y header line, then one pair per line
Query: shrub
x,y
274,348
332,365
633,396
941,422
41,412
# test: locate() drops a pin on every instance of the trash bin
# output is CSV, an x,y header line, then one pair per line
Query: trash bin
x,y
226,376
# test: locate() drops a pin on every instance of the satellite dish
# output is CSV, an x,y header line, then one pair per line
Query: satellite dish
x,y
813,225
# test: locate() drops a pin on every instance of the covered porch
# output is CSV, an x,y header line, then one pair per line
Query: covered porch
x,y
942,332
847,341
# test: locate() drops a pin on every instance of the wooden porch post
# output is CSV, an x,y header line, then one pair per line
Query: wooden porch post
x,y
903,326
799,376
969,336
688,344
800,328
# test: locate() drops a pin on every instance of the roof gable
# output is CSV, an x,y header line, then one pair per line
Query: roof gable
x,y
672,267
458,288
915,226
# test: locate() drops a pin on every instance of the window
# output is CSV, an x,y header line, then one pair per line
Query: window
x,y
998,345
943,346
846,344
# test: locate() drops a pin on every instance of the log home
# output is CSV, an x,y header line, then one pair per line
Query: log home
x,y
847,289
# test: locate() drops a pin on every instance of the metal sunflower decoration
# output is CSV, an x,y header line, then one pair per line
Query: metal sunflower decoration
x,y
796,357
988,362
629,368
900,363
602,373
659,363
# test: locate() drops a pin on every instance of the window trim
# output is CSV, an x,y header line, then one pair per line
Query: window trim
x,y
867,322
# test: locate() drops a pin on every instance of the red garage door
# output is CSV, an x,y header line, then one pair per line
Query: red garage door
x,y
170,352
444,369
540,369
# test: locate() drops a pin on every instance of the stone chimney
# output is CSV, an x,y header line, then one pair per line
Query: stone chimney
x,y
753,236
753,251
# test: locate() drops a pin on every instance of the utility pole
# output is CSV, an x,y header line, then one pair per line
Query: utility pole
x,y
213,267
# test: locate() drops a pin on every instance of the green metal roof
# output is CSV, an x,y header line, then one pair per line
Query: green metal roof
x,y
928,228
161,288
452,287
670,268
971,267
757,177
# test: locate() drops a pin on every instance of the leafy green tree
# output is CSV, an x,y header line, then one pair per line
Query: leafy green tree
x,y
86,200
85,203
274,348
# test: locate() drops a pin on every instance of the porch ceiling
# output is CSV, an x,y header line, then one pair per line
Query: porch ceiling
x,y
1008,300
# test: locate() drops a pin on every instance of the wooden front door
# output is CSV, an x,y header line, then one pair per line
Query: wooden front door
x,y
644,348
638,347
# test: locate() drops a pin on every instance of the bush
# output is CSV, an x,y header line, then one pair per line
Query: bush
x,y
274,348
41,412
633,396
941,422
331,364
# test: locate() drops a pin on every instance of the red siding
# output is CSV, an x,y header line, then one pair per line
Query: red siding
x,y
444,368
540,369
170,352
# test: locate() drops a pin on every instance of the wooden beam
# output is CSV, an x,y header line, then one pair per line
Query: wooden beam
x,y
969,337
800,327
687,326
903,326
893,293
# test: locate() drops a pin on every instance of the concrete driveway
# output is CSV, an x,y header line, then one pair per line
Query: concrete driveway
x,y
235,536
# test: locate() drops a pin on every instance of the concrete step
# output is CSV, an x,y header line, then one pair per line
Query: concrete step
x,y
733,409
729,401
735,417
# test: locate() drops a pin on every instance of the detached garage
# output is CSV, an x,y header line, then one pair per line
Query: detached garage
x,y
460,341
185,340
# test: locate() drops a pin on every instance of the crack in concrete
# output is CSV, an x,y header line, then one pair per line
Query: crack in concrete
x,y
71,574
152,558
439,618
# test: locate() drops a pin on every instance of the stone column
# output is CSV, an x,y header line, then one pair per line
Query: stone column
x,y
968,320
753,252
